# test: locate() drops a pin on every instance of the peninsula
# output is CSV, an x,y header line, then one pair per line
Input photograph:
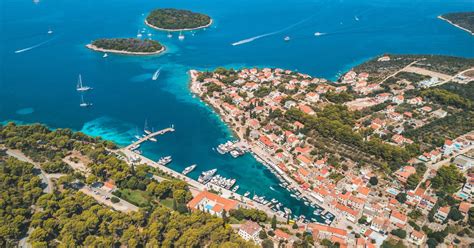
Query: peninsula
x,y
128,46
373,148
462,20
177,20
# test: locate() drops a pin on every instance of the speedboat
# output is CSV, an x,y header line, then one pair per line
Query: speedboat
x,y
287,38
105,55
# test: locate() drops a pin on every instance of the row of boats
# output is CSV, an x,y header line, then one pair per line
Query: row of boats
x,y
141,33
232,148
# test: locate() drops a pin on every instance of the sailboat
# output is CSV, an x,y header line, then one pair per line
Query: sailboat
x,y
181,36
145,128
84,104
81,87
356,18
169,35
139,35
318,34
156,74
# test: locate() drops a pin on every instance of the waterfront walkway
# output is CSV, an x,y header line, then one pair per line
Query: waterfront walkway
x,y
132,156
149,136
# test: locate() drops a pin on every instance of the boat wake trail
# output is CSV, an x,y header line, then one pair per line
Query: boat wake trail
x,y
35,46
269,34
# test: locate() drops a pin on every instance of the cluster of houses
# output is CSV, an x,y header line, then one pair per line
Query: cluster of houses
x,y
350,198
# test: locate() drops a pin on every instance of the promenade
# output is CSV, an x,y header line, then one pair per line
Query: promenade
x,y
247,202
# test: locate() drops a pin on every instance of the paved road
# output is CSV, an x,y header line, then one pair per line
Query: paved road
x,y
43,175
104,197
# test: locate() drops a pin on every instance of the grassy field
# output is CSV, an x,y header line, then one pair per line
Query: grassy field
x,y
137,197
168,202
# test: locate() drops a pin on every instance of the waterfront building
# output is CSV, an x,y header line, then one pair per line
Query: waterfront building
x,y
212,203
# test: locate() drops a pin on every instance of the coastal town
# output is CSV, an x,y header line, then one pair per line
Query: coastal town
x,y
373,202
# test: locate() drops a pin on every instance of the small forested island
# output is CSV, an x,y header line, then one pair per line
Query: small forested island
x,y
131,46
462,20
177,20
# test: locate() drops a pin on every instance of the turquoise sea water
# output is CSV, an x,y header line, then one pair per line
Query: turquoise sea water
x,y
37,84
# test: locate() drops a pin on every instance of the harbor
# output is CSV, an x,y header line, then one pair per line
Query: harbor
x,y
227,187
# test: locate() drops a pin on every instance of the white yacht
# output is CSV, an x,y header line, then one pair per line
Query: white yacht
x,y
181,36
50,31
84,104
287,38
105,55
169,35
80,86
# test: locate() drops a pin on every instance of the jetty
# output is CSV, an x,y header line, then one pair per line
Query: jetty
x,y
149,136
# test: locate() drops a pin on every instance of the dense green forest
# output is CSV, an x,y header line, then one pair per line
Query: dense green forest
x,y
69,218
19,190
463,19
177,19
128,45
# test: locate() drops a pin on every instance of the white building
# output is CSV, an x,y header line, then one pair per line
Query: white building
x,y
249,231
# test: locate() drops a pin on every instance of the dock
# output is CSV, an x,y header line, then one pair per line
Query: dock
x,y
149,136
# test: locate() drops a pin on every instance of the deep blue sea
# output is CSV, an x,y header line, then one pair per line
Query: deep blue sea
x,y
38,83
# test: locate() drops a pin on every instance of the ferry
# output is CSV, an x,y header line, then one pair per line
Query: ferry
x,y
189,169
206,175
246,194
80,87
165,160
156,74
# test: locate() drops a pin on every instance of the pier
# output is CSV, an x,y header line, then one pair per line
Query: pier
x,y
149,136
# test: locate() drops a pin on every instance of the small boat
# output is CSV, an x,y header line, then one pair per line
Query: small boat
x,y
156,74
153,139
235,188
81,87
181,36
105,55
139,35
189,169
318,34
149,34
287,38
169,35
356,18
246,194
50,31
84,104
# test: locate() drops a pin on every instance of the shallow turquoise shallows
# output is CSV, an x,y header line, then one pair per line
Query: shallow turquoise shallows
x,y
37,83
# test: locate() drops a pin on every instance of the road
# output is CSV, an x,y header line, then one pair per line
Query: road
x,y
46,178
437,165
104,197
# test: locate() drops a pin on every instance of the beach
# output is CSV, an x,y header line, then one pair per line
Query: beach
x,y
177,30
95,48
450,22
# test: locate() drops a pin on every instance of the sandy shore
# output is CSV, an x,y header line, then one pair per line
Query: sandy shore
x,y
450,22
92,47
176,30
